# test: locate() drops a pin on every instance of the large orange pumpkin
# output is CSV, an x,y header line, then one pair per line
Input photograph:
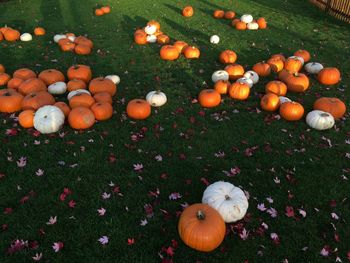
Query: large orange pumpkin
x,y
329,76
235,71
31,85
276,87
10,100
26,119
180,45
293,65
297,82
50,76
291,111
262,69
36,100
102,111
228,57
219,14
99,12
75,84
63,107
201,227
138,109
14,83
81,72
334,106
81,100
209,98
304,54
102,84
270,102
187,11
239,91
24,73
276,64
81,118
169,52
191,52
222,86
4,79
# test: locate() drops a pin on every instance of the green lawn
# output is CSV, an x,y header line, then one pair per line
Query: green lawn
x,y
312,166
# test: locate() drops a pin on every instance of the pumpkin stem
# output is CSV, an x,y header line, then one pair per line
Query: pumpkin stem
x,y
227,197
324,114
200,215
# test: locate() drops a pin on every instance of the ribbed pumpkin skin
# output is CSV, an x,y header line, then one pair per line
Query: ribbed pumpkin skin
x,y
81,118
26,119
276,87
138,109
102,85
291,111
209,98
81,72
50,76
333,106
10,100
36,100
203,235
329,76
31,85
24,73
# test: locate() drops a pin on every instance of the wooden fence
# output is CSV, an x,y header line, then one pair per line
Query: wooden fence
x,y
337,8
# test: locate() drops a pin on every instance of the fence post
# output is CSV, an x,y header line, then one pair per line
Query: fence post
x,y
328,6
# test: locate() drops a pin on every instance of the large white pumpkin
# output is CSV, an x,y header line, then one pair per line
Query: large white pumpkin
x,y
151,39
150,30
246,80
300,58
229,200
156,98
57,88
250,74
247,18
214,39
220,75
114,78
284,99
48,119
58,37
253,26
26,37
313,67
320,120
75,92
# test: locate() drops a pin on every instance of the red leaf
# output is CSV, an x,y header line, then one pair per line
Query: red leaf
x,y
289,211
71,203
170,251
131,241
8,210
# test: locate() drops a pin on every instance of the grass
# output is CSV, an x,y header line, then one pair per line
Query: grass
x,y
308,168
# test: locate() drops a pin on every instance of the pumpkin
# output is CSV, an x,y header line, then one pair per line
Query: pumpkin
x,y
297,57
191,52
140,38
168,52
329,76
313,67
276,64
4,79
333,106
250,74
76,92
262,69
68,46
235,71
138,109
39,31
291,111
64,41
247,18
261,23
180,45
11,35
58,37
76,84
163,39
276,87
201,227
26,119
2,68
241,25
10,101
31,85
293,64
82,72
156,98
82,49
320,120
102,111
270,102
14,83
279,56
103,97
304,54
283,74
209,98
297,82
247,81
114,78
1,37
102,84
36,100
50,76
106,9
253,26
235,21
157,33
150,30
57,88
284,99
214,39
229,15
81,100
187,11
81,118
24,73
220,75
26,37
154,23
218,14
229,200
239,91
48,119
99,12
228,57
151,39
63,107
222,86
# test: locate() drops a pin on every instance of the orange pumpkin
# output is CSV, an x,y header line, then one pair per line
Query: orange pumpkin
x,y
36,100
157,33
229,14
304,54
219,13
209,98
228,57
293,65
279,56
235,21
82,49
31,85
81,118
14,83
169,52
241,25
180,45
101,84
262,23
102,111
2,68
63,107
11,35
99,12
81,40
163,39
329,76
138,109
24,73
103,97
140,38
283,74
276,64
4,79
297,82
239,91
63,41
334,106
106,9
187,11
75,84
270,102
10,100
276,87
235,71
262,69
201,227
26,119
81,72
81,100
291,111
68,46
39,31
154,23
191,52
1,37
50,76
222,86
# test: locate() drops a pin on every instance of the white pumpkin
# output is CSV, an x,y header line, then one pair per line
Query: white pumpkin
x,y
247,18
246,80
156,98
220,75
57,88
58,37
151,39
320,120
300,58
284,99
150,30
214,39
229,200
253,26
48,119
250,74
72,38
26,37
114,78
313,67
75,92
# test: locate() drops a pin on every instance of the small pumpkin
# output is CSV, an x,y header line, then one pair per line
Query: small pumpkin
x,y
50,76
250,74
150,30
138,109
102,84
106,9
81,118
68,46
81,40
102,111
220,75
39,31
247,18
163,39
270,102
99,12
252,26
228,57
291,111
235,71
114,78
276,87
156,98
180,45
31,85
297,82
11,35
103,97
82,49
201,227
276,64
82,72
81,100
154,23
10,100
320,120
24,73
247,81
36,100
235,21
262,69
239,91
63,107
26,119
229,15
76,84
169,52
219,14
48,119
57,88
76,92
4,79
241,25
313,67
334,106
293,64
209,98
304,54
14,83
187,11
25,37
191,52
214,39
262,23
140,38
329,76
222,86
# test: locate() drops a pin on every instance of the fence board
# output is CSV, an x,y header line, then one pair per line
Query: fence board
x,y
337,8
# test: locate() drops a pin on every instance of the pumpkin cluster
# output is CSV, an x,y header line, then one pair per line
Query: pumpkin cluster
x,y
37,95
9,34
247,22
68,42
102,10
150,34
173,52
